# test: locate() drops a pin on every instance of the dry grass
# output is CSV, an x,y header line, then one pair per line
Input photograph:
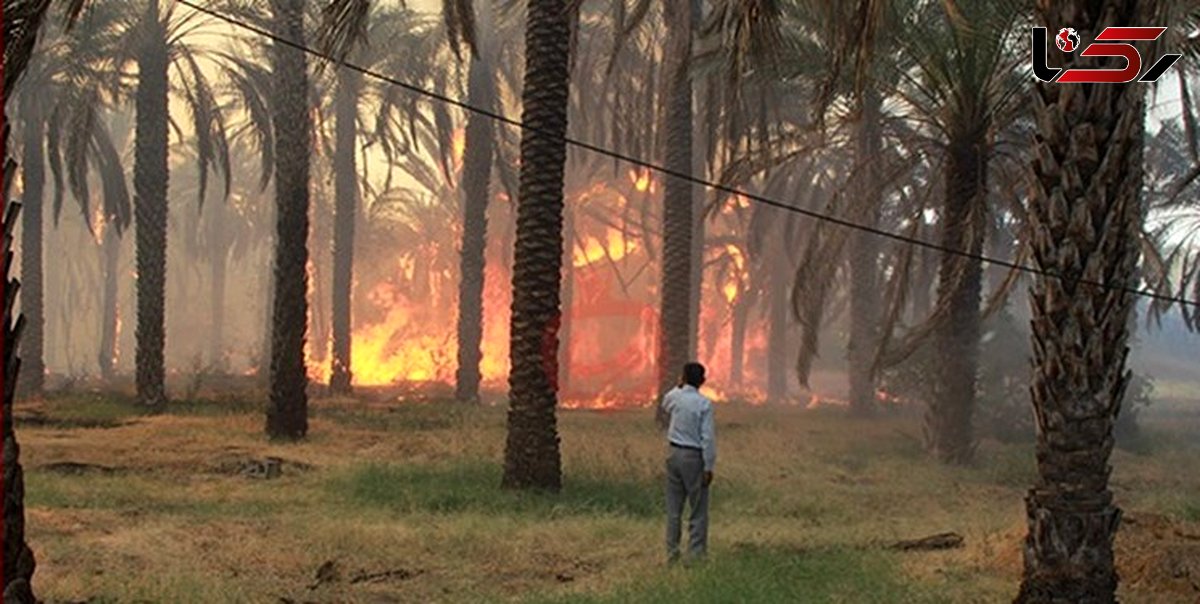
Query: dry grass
x,y
403,500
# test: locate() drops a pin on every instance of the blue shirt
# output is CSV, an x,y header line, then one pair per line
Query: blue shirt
x,y
691,422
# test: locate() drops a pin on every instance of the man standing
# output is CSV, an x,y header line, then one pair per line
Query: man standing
x,y
693,453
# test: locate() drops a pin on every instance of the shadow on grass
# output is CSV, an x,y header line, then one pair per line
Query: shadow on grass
x,y
410,417
474,486
112,409
134,494
767,574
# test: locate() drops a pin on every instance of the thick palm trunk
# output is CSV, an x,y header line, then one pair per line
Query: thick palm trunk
x,y
675,320
287,416
345,181
1084,212
17,564
107,355
150,210
531,454
477,172
33,174
948,429
864,263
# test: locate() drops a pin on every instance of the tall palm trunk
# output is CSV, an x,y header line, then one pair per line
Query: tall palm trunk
x,y
107,355
150,208
345,182
678,223
218,267
33,174
777,354
864,262
737,340
18,562
531,454
948,422
287,416
477,171
1084,211
18,565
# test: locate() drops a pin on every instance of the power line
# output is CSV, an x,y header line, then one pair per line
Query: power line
x,y
686,176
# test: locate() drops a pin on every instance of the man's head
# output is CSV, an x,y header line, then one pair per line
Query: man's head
x,y
693,374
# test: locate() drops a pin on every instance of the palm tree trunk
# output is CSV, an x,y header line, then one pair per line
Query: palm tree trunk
x,y
287,416
19,563
477,173
948,422
531,454
678,223
737,340
17,566
346,208
268,323
33,174
864,263
218,265
777,354
107,355
1084,211
150,209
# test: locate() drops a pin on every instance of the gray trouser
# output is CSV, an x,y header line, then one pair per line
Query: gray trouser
x,y
685,480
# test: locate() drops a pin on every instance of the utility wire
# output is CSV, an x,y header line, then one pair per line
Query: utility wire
x,y
686,176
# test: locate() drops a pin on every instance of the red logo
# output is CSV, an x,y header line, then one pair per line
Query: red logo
x,y
1112,42
1067,39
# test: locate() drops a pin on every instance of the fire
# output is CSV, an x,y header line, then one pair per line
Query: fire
x,y
593,250
415,341
731,290
405,319
458,146
641,180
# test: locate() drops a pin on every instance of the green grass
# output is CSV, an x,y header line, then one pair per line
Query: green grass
x,y
139,494
757,574
473,486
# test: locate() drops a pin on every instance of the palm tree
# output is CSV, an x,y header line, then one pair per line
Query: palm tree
x,y
675,314
965,88
159,42
349,83
22,23
531,455
1085,235
72,71
287,416
353,98
150,175
476,178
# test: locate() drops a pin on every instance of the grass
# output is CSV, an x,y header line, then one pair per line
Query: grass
x,y
752,574
402,502
471,486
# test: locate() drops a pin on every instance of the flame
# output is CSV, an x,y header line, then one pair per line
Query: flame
x,y
616,247
405,329
641,180
458,146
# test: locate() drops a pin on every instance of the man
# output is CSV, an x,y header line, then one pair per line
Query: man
x,y
693,454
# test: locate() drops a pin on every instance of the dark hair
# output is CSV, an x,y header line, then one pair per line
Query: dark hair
x,y
693,374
